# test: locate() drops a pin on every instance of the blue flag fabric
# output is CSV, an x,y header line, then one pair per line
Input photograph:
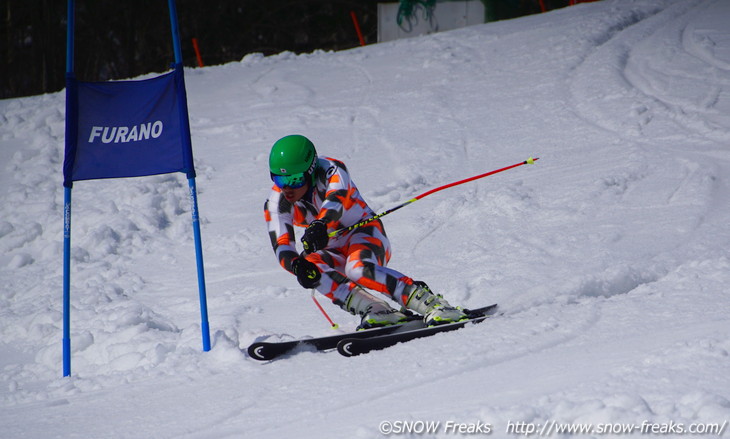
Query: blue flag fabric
x,y
127,128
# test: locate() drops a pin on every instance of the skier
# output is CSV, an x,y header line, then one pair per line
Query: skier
x,y
317,193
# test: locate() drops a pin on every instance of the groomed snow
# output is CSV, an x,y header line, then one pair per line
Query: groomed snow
x,y
609,257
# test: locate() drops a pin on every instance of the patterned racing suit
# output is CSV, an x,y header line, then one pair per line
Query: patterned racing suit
x,y
358,257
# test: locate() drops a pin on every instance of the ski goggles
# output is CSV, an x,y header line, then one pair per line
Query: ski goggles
x,y
294,181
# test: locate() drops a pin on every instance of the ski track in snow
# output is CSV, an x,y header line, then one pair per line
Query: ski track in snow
x,y
608,257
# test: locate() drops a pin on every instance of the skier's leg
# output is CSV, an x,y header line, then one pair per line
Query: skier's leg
x,y
367,255
374,311
333,283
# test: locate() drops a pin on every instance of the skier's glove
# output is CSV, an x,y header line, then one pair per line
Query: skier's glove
x,y
307,273
315,237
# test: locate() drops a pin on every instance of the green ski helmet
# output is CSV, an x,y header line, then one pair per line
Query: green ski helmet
x,y
292,161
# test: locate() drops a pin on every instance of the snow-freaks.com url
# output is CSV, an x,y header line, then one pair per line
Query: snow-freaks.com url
x,y
558,428
549,428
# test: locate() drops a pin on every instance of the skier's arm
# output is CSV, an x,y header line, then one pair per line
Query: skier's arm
x,y
281,231
340,196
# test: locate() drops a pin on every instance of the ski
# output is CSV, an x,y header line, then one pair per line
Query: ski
x,y
266,351
350,347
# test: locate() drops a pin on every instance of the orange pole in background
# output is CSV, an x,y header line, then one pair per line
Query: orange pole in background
x,y
197,52
357,27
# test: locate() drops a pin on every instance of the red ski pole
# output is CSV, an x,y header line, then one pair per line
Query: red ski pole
x,y
338,232
324,313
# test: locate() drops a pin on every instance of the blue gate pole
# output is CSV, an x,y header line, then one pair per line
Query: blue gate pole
x,y
175,32
67,205
67,282
204,325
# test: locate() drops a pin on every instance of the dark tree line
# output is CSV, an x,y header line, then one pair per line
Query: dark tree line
x,y
117,39
122,39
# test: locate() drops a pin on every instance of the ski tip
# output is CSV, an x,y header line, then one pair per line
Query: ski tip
x,y
345,348
257,352
531,161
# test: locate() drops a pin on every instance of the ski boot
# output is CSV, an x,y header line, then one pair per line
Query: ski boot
x,y
375,312
434,308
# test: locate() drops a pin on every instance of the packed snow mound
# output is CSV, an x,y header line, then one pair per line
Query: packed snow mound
x,y
609,257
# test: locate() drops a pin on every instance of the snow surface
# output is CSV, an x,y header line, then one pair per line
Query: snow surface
x,y
610,257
